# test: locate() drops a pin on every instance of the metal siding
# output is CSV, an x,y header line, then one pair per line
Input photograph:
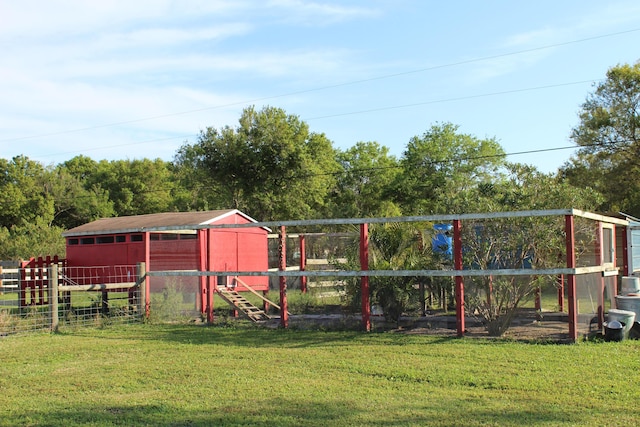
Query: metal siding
x,y
635,250
174,255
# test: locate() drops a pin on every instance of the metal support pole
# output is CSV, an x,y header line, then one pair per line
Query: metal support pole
x,y
364,280
457,261
303,264
560,285
571,278
53,297
284,313
625,252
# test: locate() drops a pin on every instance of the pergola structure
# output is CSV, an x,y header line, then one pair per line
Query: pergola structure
x,y
604,261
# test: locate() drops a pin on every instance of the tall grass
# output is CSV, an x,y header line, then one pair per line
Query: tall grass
x,y
175,375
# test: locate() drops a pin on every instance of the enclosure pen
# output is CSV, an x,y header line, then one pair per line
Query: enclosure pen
x,y
185,262
598,232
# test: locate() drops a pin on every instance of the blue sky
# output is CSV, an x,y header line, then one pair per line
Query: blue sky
x,y
132,79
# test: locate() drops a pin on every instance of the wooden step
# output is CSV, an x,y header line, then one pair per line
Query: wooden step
x,y
240,303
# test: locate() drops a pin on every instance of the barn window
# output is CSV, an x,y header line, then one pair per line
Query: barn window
x,y
105,239
168,236
121,238
87,241
136,237
154,236
72,242
188,236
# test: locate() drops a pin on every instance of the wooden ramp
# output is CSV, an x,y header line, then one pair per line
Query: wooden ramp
x,y
243,305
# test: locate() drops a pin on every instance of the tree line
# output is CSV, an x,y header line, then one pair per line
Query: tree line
x,y
271,166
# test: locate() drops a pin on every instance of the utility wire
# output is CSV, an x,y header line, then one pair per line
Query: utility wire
x,y
321,88
437,101
461,98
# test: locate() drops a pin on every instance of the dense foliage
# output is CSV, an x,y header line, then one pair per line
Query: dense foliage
x,y
608,134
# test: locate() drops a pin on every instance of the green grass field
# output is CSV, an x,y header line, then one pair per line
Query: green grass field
x,y
187,375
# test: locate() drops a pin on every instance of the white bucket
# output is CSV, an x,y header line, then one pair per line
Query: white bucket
x,y
623,316
629,303
630,285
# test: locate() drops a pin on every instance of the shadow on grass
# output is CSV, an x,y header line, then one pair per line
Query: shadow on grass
x,y
251,336
298,412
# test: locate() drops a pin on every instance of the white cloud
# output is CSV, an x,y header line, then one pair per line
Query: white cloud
x,y
319,13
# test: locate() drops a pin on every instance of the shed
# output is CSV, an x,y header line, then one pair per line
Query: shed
x,y
172,241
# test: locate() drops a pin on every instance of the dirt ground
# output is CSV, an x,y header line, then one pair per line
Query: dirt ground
x,y
542,331
553,327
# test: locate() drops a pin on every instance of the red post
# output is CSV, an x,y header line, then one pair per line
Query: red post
x,y
457,262
211,284
364,280
571,278
613,258
303,264
625,252
202,266
284,313
599,260
147,283
23,284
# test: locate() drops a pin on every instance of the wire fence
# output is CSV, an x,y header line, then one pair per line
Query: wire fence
x,y
35,299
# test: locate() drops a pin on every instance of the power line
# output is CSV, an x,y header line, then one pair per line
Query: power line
x,y
321,88
366,111
461,98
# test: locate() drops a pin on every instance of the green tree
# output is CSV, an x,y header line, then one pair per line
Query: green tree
x,y
136,187
269,166
27,210
363,188
608,135
516,243
393,246
74,203
440,166
22,195
31,239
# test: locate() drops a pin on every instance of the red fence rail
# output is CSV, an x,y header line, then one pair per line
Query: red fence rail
x,y
34,281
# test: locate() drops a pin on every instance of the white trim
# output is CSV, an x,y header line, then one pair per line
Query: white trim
x,y
230,213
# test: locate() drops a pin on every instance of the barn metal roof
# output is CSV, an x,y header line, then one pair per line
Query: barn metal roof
x,y
151,222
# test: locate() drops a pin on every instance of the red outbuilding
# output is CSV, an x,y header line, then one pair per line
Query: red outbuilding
x,y
169,241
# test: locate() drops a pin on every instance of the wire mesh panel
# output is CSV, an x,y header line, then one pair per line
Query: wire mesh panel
x,y
175,299
53,297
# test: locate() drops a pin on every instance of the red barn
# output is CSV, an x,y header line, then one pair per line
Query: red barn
x,y
171,241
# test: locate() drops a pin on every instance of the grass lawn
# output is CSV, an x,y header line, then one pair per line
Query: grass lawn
x,y
187,375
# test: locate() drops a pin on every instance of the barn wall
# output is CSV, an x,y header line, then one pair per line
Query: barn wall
x,y
240,250
230,250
